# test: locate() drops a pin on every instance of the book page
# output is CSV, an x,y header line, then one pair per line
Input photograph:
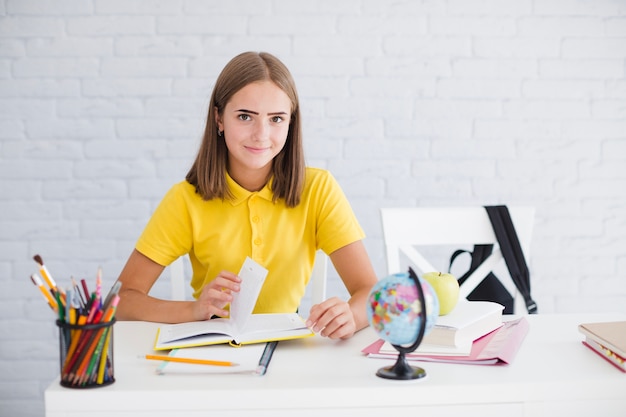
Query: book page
x,y
252,277
274,323
274,326
173,332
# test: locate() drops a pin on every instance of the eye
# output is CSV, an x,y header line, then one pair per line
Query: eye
x,y
277,119
244,116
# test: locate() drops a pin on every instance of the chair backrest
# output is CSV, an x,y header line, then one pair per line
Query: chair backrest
x,y
317,283
408,230
177,278
319,277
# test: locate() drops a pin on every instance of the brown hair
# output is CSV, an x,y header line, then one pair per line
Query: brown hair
x,y
208,172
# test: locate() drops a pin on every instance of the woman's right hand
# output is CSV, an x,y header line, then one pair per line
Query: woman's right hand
x,y
216,295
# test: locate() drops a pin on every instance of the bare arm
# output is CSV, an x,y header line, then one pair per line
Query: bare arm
x,y
140,274
338,319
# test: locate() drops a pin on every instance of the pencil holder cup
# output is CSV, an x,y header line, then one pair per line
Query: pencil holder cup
x,y
86,354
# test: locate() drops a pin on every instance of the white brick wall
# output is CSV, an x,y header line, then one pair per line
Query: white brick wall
x,y
457,102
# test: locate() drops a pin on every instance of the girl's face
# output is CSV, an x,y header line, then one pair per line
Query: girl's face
x,y
255,123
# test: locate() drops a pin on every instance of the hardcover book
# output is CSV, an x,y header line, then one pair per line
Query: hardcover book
x,y
606,354
467,322
610,334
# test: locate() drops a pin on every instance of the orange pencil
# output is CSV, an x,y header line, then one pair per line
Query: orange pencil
x,y
108,316
84,362
77,338
93,342
77,352
190,360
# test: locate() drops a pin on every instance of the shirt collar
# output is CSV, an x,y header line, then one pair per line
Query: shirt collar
x,y
240,194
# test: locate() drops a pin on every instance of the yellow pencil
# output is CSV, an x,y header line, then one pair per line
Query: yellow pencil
x,y
82,319
190,360
103,359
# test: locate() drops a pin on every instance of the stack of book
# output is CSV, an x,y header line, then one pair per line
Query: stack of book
x,y
455,332
473,333
607,339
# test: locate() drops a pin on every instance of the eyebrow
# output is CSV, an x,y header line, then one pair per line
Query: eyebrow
x,y
278,113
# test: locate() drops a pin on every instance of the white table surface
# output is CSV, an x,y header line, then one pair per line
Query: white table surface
x,y
553,374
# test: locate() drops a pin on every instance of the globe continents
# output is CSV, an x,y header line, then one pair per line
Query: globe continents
x,y
393,308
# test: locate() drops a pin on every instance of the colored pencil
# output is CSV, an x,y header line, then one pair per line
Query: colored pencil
x,y
103,360
190,360
85,355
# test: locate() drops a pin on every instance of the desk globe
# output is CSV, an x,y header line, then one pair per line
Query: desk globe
x,y
395,310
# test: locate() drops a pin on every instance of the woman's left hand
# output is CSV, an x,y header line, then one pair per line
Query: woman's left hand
x,y
332,318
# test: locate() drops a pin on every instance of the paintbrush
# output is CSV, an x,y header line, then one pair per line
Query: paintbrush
x,y
46,275
49,298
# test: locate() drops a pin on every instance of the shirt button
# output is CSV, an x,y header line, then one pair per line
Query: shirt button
x,y
257,241
256,219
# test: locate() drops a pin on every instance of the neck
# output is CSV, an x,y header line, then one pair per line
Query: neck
x,y
251,180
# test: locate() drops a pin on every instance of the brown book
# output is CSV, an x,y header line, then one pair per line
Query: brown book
x,y
611,335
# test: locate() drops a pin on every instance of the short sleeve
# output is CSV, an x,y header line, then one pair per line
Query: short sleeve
x,y
167,234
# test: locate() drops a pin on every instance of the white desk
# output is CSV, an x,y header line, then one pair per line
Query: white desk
x,y
553,374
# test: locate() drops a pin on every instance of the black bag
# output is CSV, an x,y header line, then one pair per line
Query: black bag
x,y
491,289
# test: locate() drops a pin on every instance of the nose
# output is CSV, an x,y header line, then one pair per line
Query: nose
x,y
261,131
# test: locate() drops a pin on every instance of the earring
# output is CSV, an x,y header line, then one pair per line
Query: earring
x,y
220,133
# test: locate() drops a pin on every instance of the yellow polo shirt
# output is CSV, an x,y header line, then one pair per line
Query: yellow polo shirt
x,y
219,234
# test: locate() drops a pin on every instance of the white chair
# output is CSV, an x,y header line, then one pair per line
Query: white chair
x,y
177,278
408,231
319,274
317,283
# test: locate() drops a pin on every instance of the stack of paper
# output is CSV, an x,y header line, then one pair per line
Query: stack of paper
x,y
607,339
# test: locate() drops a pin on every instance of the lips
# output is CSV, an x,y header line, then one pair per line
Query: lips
x,y
256,150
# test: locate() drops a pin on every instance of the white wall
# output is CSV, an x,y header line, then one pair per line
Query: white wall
x,y
451,102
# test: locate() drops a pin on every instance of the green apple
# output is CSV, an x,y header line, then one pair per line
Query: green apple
x,y
447,289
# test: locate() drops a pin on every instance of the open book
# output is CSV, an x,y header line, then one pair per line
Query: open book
x,y
242,327
260,328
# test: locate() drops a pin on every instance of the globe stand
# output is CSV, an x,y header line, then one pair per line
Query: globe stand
x,y
401,370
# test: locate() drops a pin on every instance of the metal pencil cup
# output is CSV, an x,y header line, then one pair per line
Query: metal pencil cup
x,y
86,354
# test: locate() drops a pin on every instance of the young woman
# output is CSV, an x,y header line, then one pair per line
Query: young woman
x,y
249,193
